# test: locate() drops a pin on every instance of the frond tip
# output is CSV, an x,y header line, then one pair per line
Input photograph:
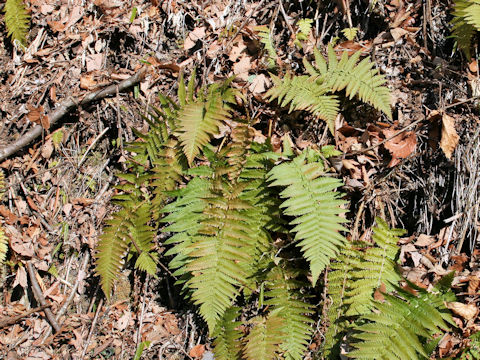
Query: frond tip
x,y
16,21
316,209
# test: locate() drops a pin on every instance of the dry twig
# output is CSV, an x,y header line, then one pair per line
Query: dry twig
x,y
65,107
14,319
40,298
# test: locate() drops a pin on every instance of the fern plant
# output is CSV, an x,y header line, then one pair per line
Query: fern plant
x,y
177,133
466,23
266,39
239,223
316,93
16,21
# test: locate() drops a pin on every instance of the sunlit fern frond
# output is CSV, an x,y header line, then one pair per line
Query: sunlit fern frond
x,y
184,218
316,209
227,335
264,339
220,254
399,327
357,78
286,303
198,122
305,93
355,275
17,20
466,22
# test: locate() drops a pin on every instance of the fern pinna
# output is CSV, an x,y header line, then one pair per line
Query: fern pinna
x,y
466,23
315,93
16,20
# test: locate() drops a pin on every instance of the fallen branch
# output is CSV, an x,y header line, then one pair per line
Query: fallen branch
x,y
65,107
40,298
14,319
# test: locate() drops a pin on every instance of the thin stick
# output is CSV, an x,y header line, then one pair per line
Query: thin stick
x,y
40,298
282,10
73,291
65,107
92,145
92,328
14,319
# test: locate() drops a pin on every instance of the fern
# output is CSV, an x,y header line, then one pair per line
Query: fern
x,y
315,207
266,39
16,21
384,327
472,352
398,326
264,339
227,335
288,305
466,22
310,92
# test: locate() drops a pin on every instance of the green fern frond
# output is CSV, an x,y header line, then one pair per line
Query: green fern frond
x,y
316,209
3,245
288,305
220,253
197,122
16,21
3,185
466,22
313,93
472,352
305,26
305,93
112,246
265,37
398,327
185,216
264,339
358,79
227,335
358,272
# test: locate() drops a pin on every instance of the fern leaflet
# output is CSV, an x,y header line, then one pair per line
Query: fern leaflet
x,y
16,21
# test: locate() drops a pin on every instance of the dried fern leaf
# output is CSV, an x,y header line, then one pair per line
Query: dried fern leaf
x,y
16,21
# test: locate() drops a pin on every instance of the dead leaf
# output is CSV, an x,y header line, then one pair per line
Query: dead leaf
x,y
473,283
197,34
401,146
450,138
424,240
398,33
259,84
197,351
242,67
47,149
94,62
466,311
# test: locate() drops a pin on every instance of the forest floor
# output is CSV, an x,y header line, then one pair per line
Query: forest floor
x,y
58,186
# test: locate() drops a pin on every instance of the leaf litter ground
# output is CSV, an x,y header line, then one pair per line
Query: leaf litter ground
x,y
419,171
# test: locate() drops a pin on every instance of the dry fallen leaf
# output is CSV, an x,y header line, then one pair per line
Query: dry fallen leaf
x,y
197,351
192,38
450,138
401,146
467,311
424,240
